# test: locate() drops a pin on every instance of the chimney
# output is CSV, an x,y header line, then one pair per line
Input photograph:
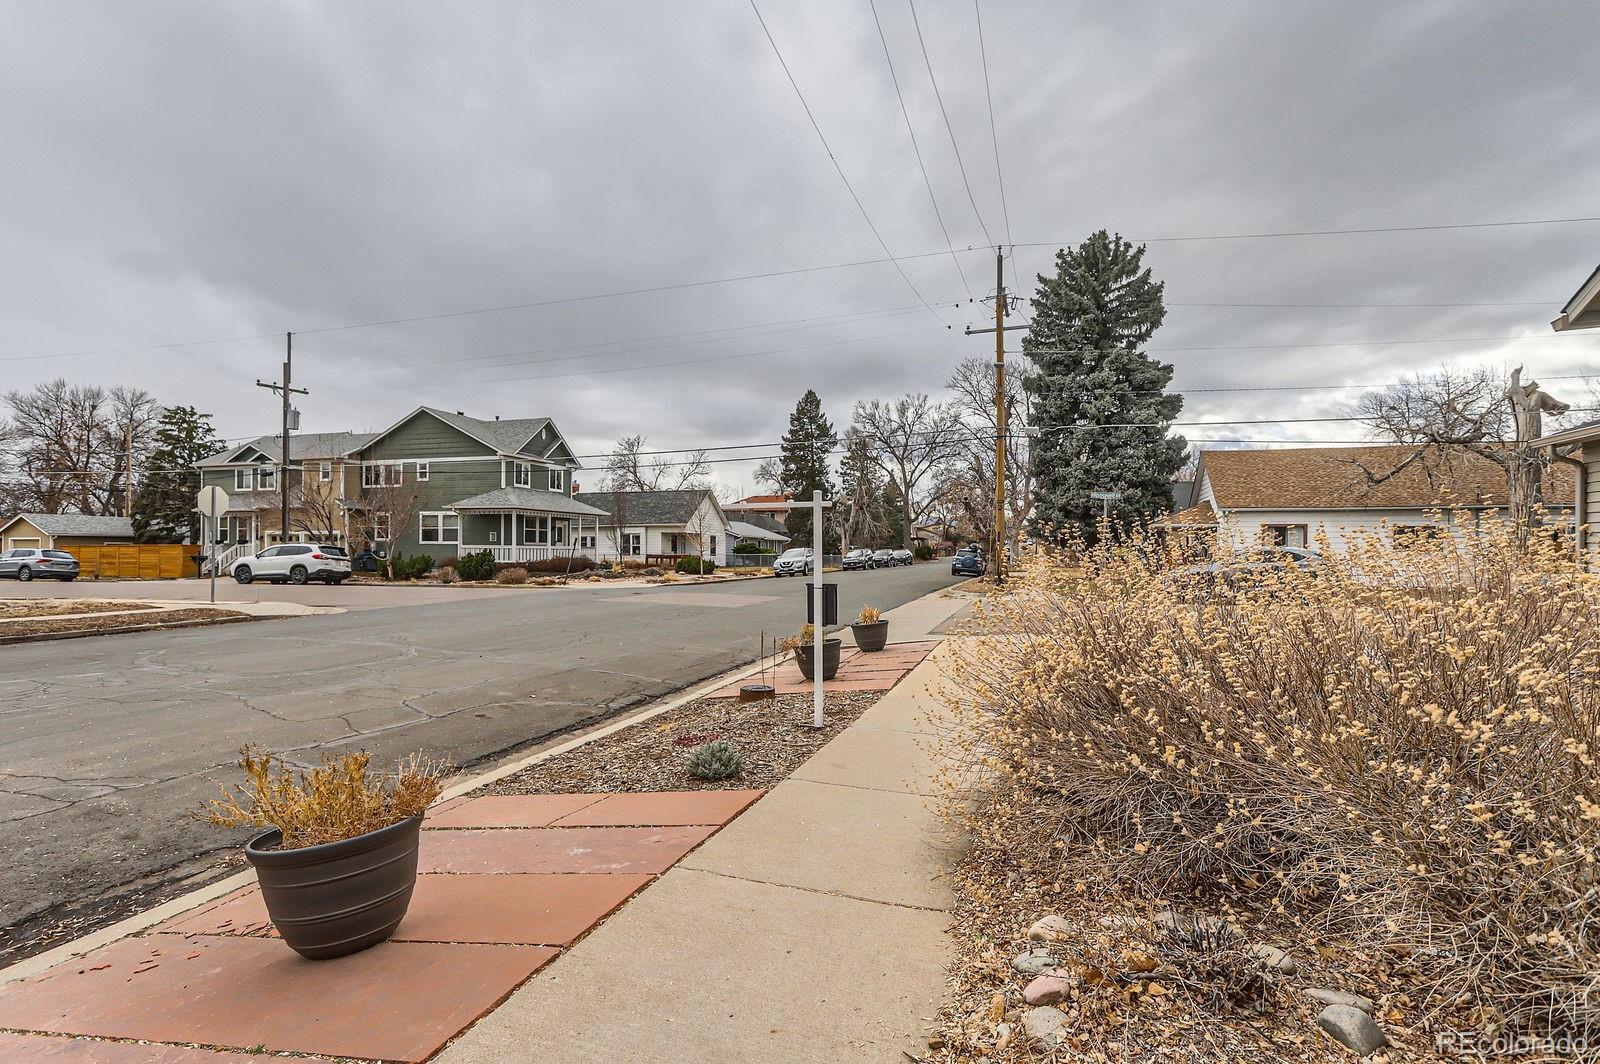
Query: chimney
x,y
497,417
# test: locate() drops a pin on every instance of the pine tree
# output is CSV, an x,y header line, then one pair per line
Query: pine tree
x,y
803,467
1089,324
862,515
163,508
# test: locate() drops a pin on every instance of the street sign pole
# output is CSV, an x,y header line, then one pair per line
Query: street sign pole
x,y
817,618
212,502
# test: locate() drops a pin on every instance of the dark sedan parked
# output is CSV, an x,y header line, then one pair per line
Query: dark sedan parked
x,y
967,562
860,558
25,563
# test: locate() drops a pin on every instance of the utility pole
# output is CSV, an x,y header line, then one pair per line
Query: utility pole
x,y
1001,305
286,391
127,487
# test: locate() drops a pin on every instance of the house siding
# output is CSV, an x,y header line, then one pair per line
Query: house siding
x,y
427,439
26,532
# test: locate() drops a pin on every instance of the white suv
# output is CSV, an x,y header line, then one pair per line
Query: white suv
x,y
294,563
796,561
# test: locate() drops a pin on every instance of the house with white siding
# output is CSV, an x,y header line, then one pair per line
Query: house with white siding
x,y
1297,496
660,526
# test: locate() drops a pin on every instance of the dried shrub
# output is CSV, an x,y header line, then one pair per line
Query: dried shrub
x,y
335,801
869,615
513,575
446,574
1395,747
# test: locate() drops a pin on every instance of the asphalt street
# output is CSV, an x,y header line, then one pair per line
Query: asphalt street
x,y
109,744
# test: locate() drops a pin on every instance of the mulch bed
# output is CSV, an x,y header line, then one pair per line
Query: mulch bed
x,y
16,630
773,737
10,608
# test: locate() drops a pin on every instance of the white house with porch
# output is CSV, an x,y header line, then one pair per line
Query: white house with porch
x,y
660,526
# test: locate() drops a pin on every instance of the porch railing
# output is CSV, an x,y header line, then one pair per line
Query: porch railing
x,y
514,553
223,561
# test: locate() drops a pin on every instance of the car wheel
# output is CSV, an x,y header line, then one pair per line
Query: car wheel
x,y
67,579
243,575
24,574
298,575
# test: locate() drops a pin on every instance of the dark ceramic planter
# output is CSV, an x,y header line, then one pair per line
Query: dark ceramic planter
x,y
341,897
830,658
871,637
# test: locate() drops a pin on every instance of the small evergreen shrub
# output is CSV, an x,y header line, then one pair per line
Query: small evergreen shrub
x,y
922,552
696,566
479,565
513,575
398,567
714,761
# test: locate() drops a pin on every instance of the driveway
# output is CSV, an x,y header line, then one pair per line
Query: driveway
x,y
109,744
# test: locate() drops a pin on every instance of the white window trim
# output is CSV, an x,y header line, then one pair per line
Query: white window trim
x,y
244,479
422,472
558,479
521,474
380,524
378,474
436,519
266,478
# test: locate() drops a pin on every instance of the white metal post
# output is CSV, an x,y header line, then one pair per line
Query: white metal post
x,y
816,609
211,524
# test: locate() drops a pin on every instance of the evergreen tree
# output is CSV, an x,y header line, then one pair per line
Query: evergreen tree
x,y
863,515
803,467
163,508
1089,323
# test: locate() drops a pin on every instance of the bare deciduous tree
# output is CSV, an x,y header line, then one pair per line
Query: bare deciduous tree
x,y
909,439
68,445
1439,417
630,468
971,476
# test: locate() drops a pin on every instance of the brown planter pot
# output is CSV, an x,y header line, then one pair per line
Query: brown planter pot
x,y
830,658
341,897
871,637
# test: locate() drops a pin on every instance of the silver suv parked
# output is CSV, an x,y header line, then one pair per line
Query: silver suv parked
x,y
25,563
294,563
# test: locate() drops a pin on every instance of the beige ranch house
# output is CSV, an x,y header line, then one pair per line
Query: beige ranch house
x,y
1301,496
63,531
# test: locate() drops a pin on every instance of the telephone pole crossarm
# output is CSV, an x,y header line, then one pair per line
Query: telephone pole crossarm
x,y
285,389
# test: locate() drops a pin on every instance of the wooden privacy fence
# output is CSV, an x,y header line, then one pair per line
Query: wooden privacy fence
x,y
135,561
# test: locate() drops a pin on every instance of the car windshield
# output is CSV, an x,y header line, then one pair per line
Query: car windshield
x,y
797,552
860,552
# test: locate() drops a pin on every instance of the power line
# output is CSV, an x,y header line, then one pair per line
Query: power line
x,y
994,136
906,114
1370,306
834,160
948,127
1331,343
1335,232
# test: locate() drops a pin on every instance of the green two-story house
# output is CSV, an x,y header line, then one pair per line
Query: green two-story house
x,y
434,482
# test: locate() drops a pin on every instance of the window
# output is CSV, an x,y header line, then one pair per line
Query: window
x,y
439,528
1409,536
630,544
244,480
557,479
535,529
713,544
586,542
422,471
325,471
382,474
380,525
558,532
1285,535
521,475
266,478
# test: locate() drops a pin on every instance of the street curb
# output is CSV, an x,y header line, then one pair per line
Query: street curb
x,y
166,910
199,622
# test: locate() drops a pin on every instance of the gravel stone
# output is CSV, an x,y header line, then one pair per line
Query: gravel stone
x,y
1044,1024
1351,1028
1340,997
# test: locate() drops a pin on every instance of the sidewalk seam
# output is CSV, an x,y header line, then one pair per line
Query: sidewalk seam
x,y
814,890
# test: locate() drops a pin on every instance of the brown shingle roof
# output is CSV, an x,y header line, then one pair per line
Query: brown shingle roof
x,y
1333,478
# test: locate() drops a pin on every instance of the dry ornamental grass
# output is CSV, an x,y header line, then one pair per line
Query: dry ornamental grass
x,y
1393,750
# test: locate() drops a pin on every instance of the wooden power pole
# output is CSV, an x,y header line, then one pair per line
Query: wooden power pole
x,y
997,551
286,391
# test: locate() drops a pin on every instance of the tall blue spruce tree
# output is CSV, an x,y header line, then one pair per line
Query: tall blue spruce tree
x,y
1091,380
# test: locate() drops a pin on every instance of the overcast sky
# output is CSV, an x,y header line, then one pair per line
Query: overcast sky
x,y
203,170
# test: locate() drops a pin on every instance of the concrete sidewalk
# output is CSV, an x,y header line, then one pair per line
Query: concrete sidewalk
x,y
811,929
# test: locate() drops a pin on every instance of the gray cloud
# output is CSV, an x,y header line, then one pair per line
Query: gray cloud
x,y
183,171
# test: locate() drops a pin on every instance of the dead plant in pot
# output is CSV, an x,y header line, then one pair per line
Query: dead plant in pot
x,y
338,859
803,644
870,630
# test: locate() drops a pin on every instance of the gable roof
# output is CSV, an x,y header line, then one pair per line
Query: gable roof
x,y
652,507
301,446
762,521
76,525
1333,478
1582,311
751,530
507,437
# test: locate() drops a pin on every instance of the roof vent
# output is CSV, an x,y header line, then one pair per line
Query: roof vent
x,y
461,413
497,417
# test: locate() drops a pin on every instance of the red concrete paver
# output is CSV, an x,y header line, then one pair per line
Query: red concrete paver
x,y
647,850
511,909
54,1049
510,811
399,1001
858,671
662,808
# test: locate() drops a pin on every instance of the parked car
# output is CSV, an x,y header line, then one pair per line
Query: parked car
x,y
968,561
903,556
25,563
1210,577
796,561
294,563
882,559
860,558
